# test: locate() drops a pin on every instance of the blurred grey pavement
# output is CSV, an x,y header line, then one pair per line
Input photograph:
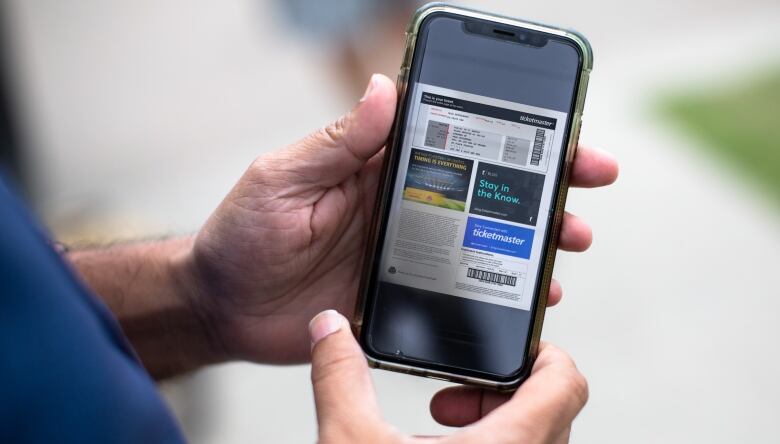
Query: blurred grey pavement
x,y
144,113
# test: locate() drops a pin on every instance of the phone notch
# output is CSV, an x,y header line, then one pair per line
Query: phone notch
x,y
507,33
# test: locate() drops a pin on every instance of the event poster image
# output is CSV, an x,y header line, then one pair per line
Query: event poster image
x,y
438,180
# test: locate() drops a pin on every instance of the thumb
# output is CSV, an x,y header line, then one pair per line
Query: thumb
x,y
330,155
343,391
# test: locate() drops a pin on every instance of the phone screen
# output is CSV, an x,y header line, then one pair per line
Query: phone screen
x,y
472,200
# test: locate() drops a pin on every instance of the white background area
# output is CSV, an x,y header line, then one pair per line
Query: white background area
x,y
145,112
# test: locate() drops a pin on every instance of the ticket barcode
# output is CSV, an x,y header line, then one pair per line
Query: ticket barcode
x,y
538,150
487,276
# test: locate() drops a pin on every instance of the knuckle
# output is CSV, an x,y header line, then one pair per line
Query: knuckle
x,y
549,354
258,163
258,168
335,364
334,132
263,183
577,386
266,173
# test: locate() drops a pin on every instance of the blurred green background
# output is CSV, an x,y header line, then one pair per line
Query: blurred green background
x,y
737,120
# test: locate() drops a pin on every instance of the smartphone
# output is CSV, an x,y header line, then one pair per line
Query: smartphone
x,y
461,250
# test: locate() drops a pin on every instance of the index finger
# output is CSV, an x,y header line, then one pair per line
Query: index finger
x,y
543,407
462,405
593,168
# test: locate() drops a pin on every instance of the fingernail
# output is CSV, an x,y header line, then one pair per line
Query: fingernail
x,y
325,324
369,88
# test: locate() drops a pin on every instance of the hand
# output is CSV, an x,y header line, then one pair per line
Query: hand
x,y
288,240
540,411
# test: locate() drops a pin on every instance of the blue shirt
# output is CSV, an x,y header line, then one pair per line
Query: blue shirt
x,y
67,374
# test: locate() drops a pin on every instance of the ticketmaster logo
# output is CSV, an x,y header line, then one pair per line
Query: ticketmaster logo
x,y
496,236
538,122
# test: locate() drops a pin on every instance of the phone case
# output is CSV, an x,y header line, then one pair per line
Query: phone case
x,y
571,147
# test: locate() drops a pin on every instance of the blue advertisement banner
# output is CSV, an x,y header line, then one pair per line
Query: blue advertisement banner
x,y
499,238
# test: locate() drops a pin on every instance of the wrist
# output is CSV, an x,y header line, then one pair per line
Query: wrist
x,y
150,291
198,301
